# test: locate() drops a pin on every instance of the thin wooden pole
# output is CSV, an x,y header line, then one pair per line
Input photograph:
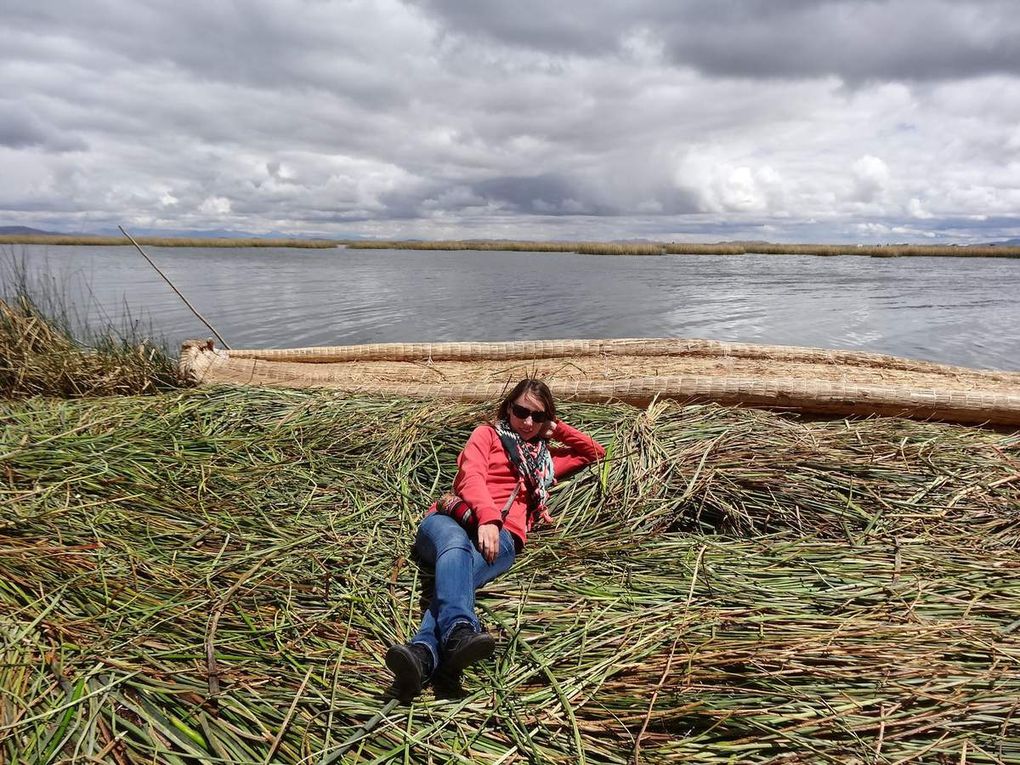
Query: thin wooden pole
x,y
188,304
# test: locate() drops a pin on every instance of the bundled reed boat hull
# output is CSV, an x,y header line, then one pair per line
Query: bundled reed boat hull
x,y
634,371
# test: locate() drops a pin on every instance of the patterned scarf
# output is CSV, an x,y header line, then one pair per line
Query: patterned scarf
x,y
534,465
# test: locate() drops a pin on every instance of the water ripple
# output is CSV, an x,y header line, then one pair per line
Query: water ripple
x,y
961,311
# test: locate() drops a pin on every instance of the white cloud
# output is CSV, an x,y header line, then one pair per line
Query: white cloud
x,y
215,207
873,229
722,186
871,179
916,209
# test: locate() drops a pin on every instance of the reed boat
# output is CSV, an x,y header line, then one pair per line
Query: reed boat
x,y
637,371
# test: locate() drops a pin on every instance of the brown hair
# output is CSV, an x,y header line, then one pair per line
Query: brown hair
x,y
528,385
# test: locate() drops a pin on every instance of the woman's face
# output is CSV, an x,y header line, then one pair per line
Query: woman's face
x,y
527,427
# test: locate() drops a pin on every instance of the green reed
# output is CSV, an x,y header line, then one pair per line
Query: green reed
x,y
214,576
46,349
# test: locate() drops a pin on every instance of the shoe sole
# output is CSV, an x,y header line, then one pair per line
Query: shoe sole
x,y
480,648
406,674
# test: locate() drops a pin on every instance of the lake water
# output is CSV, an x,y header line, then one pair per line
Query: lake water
x,y
954,310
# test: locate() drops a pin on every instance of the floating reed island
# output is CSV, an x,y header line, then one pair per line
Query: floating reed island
x,y
213,576
635,371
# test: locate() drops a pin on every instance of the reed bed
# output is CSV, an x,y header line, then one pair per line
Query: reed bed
x,y
162,241
675,248
875,251
583,248
39,356
48,347
213,576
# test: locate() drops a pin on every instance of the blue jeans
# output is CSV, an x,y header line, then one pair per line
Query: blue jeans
x,y
460,569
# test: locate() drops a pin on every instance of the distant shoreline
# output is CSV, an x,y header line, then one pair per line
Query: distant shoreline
x,y
582,248
162,241
685,248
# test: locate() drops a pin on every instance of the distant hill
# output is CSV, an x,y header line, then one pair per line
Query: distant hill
x,y
25,230
216,233
1007,243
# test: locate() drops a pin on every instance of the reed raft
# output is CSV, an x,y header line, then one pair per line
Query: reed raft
x,y
634,371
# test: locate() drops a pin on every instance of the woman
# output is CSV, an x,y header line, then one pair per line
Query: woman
x,y
503,479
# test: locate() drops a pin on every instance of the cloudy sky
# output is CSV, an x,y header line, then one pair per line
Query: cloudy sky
x,y
690,120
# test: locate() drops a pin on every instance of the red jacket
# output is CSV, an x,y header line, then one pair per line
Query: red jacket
x,y
486,477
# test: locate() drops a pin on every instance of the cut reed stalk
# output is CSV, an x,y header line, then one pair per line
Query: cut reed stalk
x,y
734,585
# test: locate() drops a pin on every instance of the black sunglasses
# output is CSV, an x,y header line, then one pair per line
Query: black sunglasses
x,y
537,415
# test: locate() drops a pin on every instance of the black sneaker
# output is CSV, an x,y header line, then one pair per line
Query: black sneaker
x,y
465,647
447,684
411,666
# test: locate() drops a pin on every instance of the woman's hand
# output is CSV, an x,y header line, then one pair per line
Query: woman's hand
x,y
548,430
488,541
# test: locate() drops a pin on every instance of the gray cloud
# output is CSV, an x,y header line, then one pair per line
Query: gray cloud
x,y
851,39
546,194
571,120
21,129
